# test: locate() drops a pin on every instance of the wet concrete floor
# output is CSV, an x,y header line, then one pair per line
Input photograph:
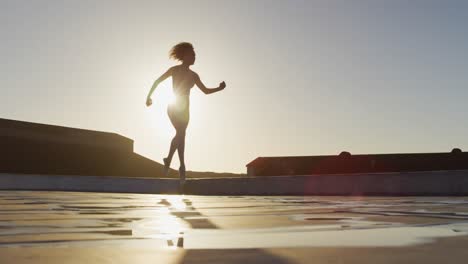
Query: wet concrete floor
x,y
74,227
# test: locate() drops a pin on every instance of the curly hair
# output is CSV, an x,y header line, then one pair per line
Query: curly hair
x,y
178,51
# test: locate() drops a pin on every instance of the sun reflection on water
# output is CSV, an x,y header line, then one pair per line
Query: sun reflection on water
x,y
177,202
174,227
167,225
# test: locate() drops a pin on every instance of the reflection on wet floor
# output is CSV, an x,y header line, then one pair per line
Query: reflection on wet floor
x,y
220,222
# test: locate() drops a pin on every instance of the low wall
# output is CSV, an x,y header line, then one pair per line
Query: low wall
x,y
434,183
87,183
387,184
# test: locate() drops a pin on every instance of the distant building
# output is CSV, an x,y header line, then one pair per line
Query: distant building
x,y
345,163
31,148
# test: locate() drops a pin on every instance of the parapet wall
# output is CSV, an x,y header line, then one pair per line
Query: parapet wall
x,y
431,183
437,183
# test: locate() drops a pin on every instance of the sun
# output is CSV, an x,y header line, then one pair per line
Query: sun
x,y
165,96
157,117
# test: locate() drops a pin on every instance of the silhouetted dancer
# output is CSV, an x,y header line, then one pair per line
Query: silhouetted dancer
x,y
183,79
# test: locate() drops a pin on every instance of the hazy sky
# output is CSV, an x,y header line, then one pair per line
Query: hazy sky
x,y
303,77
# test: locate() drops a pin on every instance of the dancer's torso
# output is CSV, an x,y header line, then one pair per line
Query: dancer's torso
x,y
183,79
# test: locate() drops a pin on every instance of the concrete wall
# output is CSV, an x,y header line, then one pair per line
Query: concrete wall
x,y
436,183
86,183
388,184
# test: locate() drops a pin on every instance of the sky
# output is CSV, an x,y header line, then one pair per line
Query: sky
x,y
303,77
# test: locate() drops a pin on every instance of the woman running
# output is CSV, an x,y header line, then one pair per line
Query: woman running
x,y
183,79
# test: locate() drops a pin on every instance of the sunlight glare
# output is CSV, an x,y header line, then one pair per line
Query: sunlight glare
x,y
177,202
164,95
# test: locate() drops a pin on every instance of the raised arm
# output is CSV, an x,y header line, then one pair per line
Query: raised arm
x,y
205,90
156,83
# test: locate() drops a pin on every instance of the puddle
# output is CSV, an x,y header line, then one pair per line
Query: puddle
x,y
200,222
308,237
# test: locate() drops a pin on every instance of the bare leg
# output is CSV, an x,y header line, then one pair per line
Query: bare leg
x,y
181,148
168,160
180,151
172,149
180,121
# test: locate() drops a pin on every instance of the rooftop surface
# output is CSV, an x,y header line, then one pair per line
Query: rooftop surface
x,y
76,227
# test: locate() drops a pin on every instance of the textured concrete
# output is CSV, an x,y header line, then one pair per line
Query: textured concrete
x,y
389,184
73,227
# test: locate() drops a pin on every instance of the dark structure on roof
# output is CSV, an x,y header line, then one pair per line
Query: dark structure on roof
x,y
32,148
345,163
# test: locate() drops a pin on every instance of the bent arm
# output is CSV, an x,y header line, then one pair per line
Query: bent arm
x,y
205,90
159,80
